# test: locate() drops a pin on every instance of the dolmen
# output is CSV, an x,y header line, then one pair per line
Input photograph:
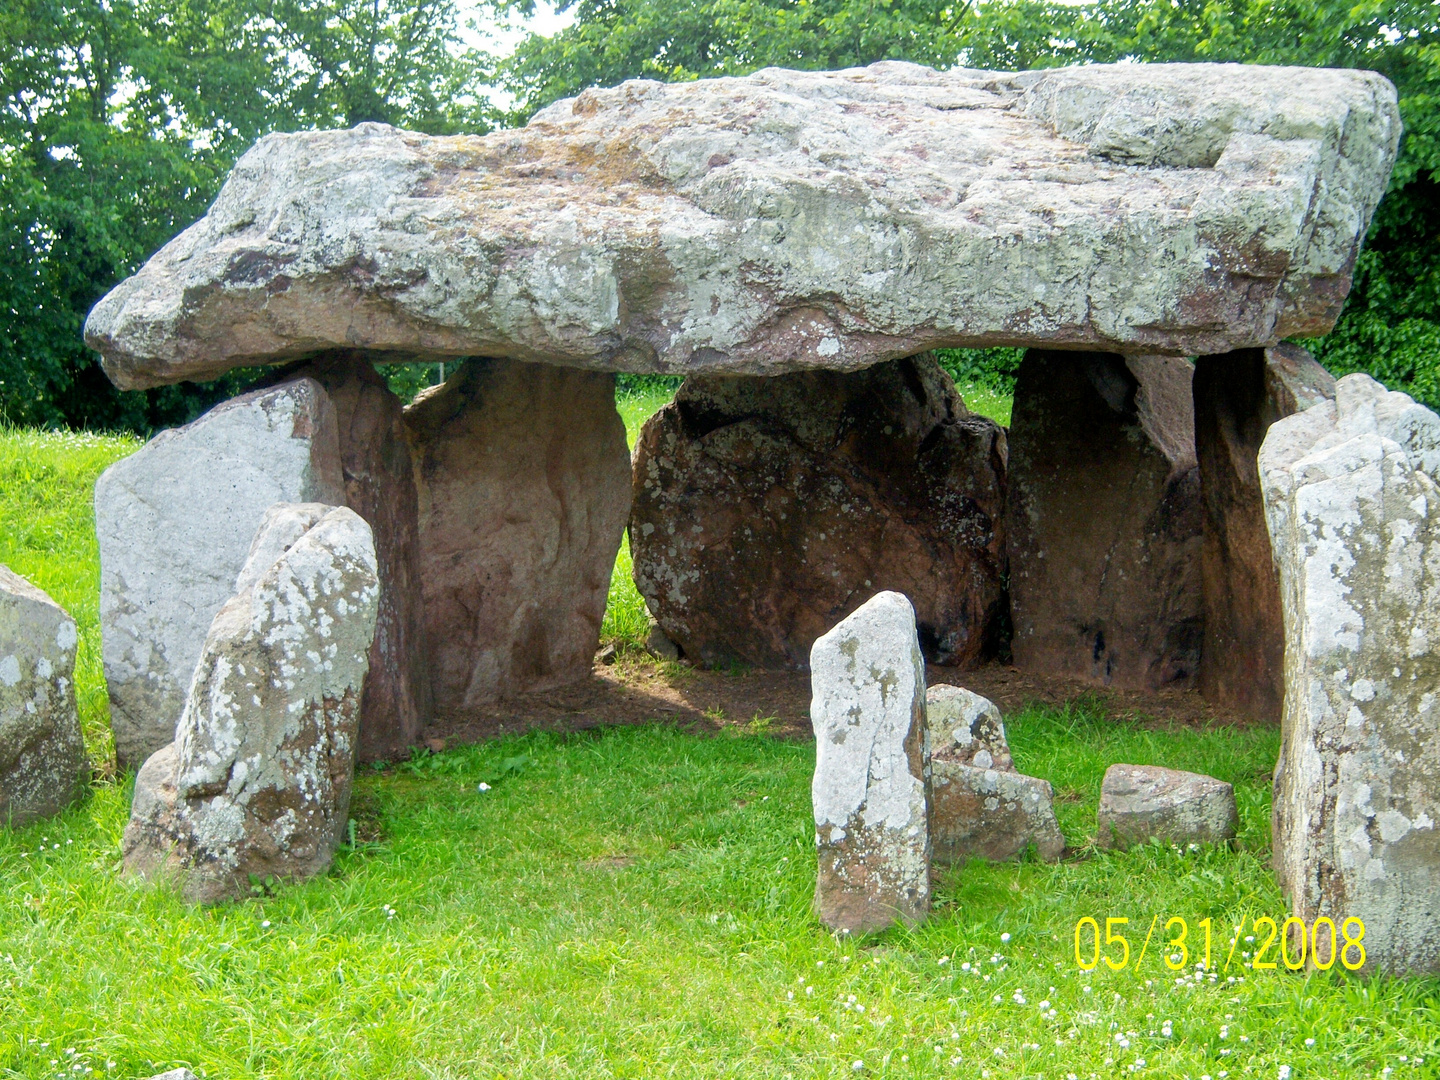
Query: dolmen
x,y
1353,510
256,784
42,754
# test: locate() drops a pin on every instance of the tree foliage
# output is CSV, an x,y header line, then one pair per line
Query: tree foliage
x,y
1391,325
120,118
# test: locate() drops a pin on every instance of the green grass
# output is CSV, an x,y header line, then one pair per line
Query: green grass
x,y
635,903
986,400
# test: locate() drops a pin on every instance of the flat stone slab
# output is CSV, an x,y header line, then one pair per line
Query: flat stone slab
x,y
1138,802
786,221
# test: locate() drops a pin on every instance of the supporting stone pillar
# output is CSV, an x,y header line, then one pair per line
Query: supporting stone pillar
x,y
524,484
1104,519
768,509
1238,395
380,487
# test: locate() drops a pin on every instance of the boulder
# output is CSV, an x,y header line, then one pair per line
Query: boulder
x,y
1141,802
768,509
42,756
1237,397
380,487
788,221
174,522
1104,524
524,490
257,781
980,806
175,1074
870,789
1353,511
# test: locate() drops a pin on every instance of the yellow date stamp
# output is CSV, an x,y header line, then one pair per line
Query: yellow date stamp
x,y
1319,944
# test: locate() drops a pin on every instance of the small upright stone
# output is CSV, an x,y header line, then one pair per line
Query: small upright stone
x,y
41,753
981,807
1353,511
175,520
1138,802
258,778
871,804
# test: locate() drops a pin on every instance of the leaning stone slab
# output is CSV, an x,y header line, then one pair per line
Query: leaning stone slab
x,y
175,520
1237,397
1141,802
980,806
767,509
1354,517
42,756
787,221
869,791
258,778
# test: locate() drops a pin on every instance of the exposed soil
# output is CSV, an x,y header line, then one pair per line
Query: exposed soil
x,y
636,690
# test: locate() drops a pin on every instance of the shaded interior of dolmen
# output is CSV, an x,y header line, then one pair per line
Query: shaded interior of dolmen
x,y
1089,540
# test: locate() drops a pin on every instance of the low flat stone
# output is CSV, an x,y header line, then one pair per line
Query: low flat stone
x,y
766,510
1353,511
980,806
42,755
175,521
257,781
869,790
1138,802
175,1074
787,221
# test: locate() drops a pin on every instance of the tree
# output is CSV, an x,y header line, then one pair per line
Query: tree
x,y
119,120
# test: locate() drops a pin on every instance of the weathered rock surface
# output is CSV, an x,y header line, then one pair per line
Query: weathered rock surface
x,y
1354,517
380,487
980,806
870,786
1237,397
786,221
767,509
258,778
175,1074
1104,524
42,756
175,521
524,490
1138,802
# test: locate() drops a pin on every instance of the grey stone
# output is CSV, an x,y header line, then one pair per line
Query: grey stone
x,y
42,755
659,645
175,1074
1138,802
257,781
1353,511
870,789
786,221
175,521
980,806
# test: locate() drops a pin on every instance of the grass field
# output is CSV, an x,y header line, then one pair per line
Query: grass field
x,y
634,902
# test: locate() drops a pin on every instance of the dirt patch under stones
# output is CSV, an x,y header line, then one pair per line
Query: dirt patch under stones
x,y
639,690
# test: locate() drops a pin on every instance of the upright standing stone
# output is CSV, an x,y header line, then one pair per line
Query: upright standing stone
x,y
175,520
1238,396
42,755
524,490
257,781
768,509
870,789
1354,518
1104,519
380,487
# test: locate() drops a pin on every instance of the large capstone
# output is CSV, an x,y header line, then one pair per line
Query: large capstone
x,y
42,756
1104,523
1354,517
257,781
524,484
175,521
766,510
870,789
1237,397
788,221
981,806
